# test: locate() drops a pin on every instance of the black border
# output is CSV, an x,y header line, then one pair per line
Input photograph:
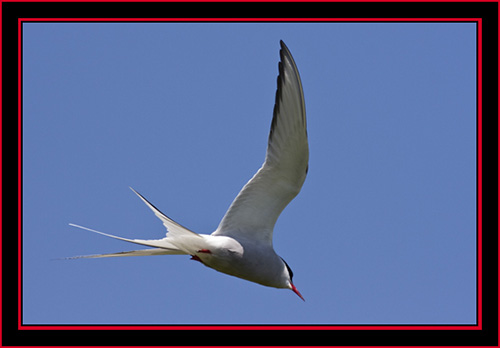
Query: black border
x,y
488,11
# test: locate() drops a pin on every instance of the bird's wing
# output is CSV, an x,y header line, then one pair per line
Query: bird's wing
x,y
173,228
256,208
144,252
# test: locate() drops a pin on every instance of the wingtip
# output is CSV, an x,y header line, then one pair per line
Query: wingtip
x,y
284,48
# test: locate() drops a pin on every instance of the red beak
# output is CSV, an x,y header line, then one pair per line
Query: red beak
x,y
294,289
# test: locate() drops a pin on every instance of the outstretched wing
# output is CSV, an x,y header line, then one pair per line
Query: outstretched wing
x,y
255,210
173,228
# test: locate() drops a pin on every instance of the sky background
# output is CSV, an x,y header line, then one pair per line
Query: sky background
x,y
383,231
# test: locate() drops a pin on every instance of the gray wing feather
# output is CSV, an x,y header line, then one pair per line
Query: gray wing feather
x,y
255,210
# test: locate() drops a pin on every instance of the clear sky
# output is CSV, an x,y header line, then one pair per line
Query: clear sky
x,y
383,231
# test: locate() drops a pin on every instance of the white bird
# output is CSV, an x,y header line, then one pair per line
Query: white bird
x,y
242,245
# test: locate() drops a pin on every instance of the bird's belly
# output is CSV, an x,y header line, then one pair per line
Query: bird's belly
x,y
254,268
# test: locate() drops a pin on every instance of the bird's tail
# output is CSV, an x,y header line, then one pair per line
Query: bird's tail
x,y
161,246
179,239
143,252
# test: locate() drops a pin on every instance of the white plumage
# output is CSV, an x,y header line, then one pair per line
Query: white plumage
x,y
242,243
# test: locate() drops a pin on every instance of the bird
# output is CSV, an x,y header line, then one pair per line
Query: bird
x,y
242,244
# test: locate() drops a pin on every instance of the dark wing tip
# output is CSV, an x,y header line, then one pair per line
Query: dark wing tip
x,y
277,98
284,51
285,58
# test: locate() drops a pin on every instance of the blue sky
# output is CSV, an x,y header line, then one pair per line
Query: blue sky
x,y
383,231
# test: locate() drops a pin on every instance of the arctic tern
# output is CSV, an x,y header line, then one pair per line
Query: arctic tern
x,y
241,245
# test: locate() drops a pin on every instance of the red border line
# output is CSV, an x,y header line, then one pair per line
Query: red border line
x,y
19,165
479,152
1,167
248,327
246,1
211,20
478,326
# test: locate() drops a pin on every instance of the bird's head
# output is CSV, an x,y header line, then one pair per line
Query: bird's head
x,y
290,280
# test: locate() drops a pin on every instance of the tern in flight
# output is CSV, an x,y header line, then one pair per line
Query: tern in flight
x,y
242,244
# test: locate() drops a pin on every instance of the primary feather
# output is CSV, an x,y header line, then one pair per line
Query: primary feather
x,y
255,210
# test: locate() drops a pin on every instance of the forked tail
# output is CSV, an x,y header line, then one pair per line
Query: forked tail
x,y
178,241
